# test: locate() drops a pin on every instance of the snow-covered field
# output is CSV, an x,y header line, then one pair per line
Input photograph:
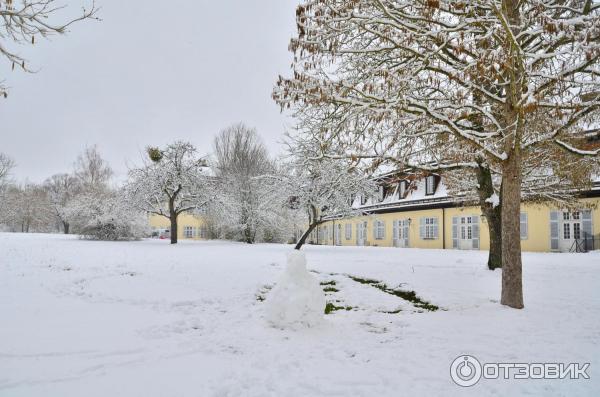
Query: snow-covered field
x,y
81,318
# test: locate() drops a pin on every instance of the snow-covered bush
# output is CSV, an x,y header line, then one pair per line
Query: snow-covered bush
x,y
107,216
297,300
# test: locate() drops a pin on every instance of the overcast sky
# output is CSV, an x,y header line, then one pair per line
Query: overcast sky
x,y
149,73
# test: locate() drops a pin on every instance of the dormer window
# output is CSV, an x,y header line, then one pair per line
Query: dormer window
x,y
402,191
430,184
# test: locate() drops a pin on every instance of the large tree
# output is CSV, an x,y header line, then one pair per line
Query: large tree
x,y
170,183
322,187
91,170
477,76
62,189
242,166
26,21
27,209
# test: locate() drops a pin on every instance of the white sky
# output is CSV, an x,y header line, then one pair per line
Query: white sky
x,y
149,73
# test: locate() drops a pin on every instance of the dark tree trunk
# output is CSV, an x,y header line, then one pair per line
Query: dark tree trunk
x,y
512,277
313,221
66,227
248,235
173,218
305,235
493,216
512,283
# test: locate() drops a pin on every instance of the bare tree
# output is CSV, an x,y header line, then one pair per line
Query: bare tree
x,y
62,189
241,161
320,186
91,170
25,21
6,165
27,209
477,76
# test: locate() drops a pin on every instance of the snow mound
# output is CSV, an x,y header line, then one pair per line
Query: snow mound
x,y
297,299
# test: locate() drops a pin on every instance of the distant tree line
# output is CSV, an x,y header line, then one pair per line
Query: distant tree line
x,y
242,193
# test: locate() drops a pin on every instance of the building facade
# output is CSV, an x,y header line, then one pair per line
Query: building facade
x,y
421,214
189,226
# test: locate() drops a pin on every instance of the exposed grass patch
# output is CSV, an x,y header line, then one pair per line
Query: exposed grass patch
x,y
410,296
330,308
331,282
392,311
330,289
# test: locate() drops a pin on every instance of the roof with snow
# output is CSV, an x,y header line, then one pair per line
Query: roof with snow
x,y
416,194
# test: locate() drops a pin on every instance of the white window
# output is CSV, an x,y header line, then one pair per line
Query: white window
x,y
576,230
188,232
379,230
402,189
524,227
429,229
430,184
348,231
567,231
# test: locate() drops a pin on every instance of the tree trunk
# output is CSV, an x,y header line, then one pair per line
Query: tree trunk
x,y
66,227
305,235
493,216
248,235
512,277
173,218
512,283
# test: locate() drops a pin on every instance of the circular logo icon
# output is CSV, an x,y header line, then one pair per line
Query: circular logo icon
x,y
465,370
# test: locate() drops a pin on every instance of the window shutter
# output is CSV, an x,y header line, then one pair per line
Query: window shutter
x,y
395,231
405,233
435,227
524,230
455,232
587,228
554,230
383,230
475,231
422,228
375,230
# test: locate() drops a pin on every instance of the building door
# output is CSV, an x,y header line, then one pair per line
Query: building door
x,y
361,233
570,230
465,232
401,233
338,234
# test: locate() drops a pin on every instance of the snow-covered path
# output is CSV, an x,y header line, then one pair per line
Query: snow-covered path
x,y
81,318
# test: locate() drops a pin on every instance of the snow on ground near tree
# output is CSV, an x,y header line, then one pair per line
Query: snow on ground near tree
x,y
84,318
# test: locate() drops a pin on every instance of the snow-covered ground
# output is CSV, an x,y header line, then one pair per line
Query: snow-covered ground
x,y
81,318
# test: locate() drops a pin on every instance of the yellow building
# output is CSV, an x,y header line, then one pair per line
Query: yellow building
x,y
189,226
423,215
